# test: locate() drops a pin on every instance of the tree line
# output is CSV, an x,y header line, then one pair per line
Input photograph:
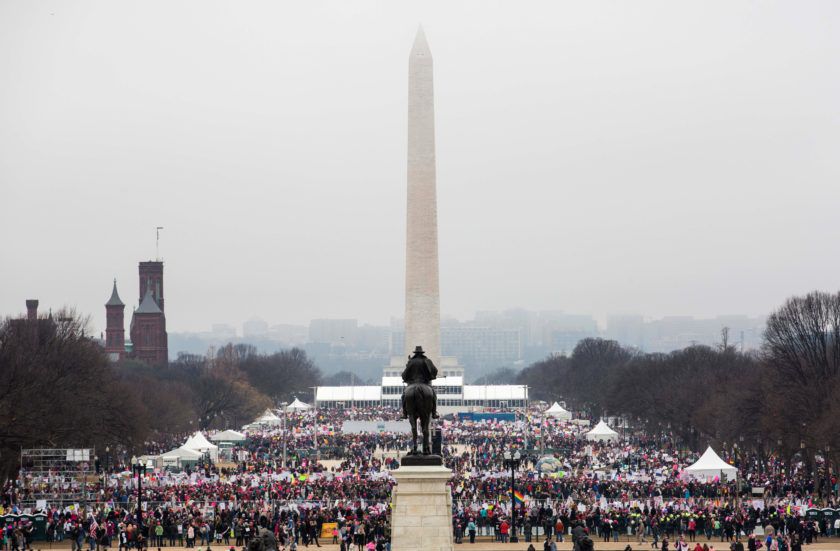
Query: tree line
x,y
61,390
783,399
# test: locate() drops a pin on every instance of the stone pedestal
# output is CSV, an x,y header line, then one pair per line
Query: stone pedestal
x,y
421,517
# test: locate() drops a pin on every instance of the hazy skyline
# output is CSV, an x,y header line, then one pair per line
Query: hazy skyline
x,y
656,158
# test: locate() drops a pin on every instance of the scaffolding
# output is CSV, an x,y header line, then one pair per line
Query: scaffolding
x,y
57,476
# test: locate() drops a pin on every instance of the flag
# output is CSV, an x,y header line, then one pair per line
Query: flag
x,y
518,497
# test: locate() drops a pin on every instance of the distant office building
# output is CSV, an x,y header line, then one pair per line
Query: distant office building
x,y
374,339
223,331
677,332
289,333
254,327
629,330
334,331
480,348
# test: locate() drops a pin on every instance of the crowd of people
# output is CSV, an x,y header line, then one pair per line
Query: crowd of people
x,y
338,485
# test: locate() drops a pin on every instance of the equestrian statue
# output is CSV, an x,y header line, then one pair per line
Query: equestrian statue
x,y
419,401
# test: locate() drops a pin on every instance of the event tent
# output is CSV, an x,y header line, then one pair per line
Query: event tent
x,y
199,443
179,456
297,405
228,436
602,433
558,412
710,466
267,418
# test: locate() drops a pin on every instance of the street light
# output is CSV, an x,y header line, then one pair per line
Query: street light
x,y
315,422
283,405
828,475
512,461
139,468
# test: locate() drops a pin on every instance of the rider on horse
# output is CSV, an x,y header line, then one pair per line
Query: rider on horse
x,y
420,370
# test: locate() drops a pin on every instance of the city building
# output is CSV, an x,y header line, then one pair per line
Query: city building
x,y
334,331
477,348
254,327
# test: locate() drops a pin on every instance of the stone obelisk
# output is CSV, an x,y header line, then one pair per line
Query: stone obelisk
x,y
422,294
421,501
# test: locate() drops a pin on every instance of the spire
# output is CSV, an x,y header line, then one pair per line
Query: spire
x,y
148,305
422,289
115,297
421,47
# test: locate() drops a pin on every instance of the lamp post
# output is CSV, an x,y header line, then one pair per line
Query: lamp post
x,y
827,475
315,423
139,468
779,456
283,405
512,461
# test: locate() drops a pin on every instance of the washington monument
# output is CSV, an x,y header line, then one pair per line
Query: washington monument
x,y
422,294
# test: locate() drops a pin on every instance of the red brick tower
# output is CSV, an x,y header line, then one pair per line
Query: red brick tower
x,y
151,278
148,323
148,332
115,326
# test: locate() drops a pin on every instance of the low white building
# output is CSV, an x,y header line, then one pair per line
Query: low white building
x,y
453,395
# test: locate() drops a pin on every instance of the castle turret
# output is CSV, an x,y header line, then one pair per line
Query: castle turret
x,y
115,326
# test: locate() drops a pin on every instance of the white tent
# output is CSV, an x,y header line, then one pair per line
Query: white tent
x,y
199,443
710,466
228,436
268,418
558,412
179,456
602,433
297,405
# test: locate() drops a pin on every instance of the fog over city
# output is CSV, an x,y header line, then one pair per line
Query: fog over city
x,y
651,158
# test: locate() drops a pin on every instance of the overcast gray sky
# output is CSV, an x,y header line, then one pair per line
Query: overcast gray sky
x,y
595,157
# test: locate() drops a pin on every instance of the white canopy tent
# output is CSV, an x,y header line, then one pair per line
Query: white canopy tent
x,y
268,418
230,436
199,443
710,466
602,433
179,456
558,412
297,405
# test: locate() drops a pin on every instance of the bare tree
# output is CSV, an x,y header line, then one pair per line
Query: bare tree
x,y
59,390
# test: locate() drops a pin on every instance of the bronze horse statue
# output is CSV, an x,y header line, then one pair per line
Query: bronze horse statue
x,y
419,402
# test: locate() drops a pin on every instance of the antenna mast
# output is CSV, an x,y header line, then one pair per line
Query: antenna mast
x,y
157,242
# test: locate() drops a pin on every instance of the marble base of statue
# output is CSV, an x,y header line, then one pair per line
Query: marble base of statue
x,y
420,460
